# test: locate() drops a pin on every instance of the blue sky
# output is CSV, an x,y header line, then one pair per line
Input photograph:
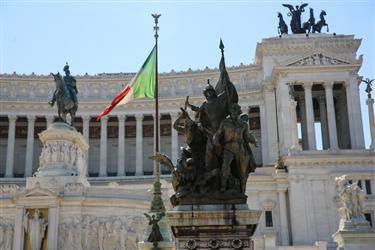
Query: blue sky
x,y
116,36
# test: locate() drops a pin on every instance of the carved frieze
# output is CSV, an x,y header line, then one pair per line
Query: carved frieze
x,y
95,232
10,189
318,59
6,233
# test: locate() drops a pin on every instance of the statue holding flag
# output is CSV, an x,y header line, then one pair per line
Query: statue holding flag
x,y
228,157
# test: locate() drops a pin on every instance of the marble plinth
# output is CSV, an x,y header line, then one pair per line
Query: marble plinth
x,y
227,226
355,239
63,153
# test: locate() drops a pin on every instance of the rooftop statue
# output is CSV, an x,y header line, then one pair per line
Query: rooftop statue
x,y
65,95
214,166
295,23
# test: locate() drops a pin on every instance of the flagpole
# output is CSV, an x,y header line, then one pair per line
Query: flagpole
x,y
157,204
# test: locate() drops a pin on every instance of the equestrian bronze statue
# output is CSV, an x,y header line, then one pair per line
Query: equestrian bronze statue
x,y
65,95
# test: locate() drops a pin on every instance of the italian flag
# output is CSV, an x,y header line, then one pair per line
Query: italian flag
x,y
142,86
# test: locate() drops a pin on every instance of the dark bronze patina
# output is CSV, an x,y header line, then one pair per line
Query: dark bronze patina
x,y
295,24
214,166
65,95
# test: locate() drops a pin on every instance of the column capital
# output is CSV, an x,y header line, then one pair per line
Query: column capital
x,y
138,117
328,85
12,118
31,118
121,118
307,85
86,117
346,84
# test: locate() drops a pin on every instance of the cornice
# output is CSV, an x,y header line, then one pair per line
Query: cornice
x,y
294,44
343,157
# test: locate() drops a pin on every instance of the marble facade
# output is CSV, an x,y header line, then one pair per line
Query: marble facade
x,y
299,205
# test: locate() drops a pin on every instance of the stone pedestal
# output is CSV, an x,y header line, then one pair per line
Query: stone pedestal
x,y
62,160
355,240
228,226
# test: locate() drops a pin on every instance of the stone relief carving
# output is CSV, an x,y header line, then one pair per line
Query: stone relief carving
x,y
99,233
317,59
351,208
6,233
10,189
74,188
62,152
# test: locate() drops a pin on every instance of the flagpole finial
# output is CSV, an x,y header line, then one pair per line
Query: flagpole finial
x,y
156,20
221,46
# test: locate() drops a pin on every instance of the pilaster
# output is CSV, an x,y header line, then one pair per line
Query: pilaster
x,y
10,147
139,145
121,146
29,145
103,146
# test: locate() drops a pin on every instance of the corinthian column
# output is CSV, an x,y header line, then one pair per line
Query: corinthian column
x,y
370,104
121,146
331,116
310,115
103,146
10,147
139,145
323,121
174,138
86,135
29,145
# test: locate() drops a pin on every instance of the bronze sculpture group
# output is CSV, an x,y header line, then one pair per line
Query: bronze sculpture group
x,y
296,26
214,166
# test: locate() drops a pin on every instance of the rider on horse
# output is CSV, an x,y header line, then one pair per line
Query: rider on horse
x,y
71,86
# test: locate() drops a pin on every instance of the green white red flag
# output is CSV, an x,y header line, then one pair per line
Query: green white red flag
x,y
142,86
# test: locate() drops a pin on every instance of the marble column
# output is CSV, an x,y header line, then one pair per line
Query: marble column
x,y
354,114
18,233
121,146
293,126
302,109
263,131
283,217
86,135
53,227
139,145
29,145
323,122
10,147
174,138
49,120
331,116
370,104
103,146
270,125
310,115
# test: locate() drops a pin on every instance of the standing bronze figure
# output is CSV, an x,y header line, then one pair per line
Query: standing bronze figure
x,y
65,95
296,13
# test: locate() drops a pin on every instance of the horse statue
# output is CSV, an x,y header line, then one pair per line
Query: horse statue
x,y
65,102
282,28
322,22
310,23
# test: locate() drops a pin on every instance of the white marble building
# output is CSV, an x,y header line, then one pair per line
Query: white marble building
x,y
300,204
